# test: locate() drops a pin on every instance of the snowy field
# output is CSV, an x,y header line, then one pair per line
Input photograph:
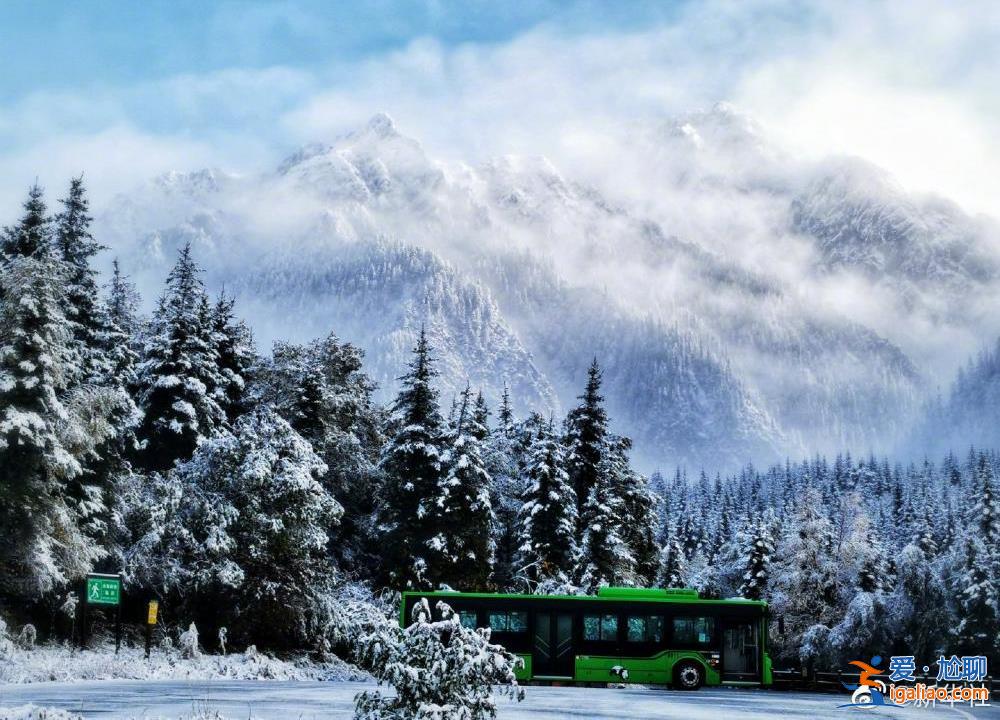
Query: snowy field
x,y
115,700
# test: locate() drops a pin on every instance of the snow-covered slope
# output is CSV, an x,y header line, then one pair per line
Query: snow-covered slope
x,y
714,277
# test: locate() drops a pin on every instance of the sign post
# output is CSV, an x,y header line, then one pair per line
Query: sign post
x,y
151,616
104,589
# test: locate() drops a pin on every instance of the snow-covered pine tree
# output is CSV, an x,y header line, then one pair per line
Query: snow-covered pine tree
x,y
505,416
638,518
32,236
503,457
122,299
979,620
236,357
439,670
178,372
411,465
76,247
586,440
321,389
97,394
804,577
605,556
919,606
673,562
481,418
978,581
239,537
757,554
547,548
864,630
41,442
461,549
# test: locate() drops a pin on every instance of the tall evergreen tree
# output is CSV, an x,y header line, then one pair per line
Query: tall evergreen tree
x,y
673,563
320,388
123,326
547,548
637,506
586,439
805,576
178,373
919,605
979,612
41,442
236,357
461,548
504,456
32,236
757,561
77,247
606,558
412,466
505,417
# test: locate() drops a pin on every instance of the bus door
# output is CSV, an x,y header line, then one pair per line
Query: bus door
x,y
553,645
741,649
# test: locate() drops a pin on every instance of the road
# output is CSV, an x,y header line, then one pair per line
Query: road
x,y
274,700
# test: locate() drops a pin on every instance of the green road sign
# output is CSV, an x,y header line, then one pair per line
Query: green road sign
x,y
104,590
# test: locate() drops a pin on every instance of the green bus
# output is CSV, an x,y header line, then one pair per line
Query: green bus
x,y
635,635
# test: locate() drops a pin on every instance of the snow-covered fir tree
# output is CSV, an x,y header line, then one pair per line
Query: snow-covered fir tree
x,y
638,511
757,554
502,454
122,300
586,443
42,441
605,557
236,355
547,549
321,389
178,374
805,575
919,604
437,669
412,465
673,563
237,535
98,393
76,247
461,550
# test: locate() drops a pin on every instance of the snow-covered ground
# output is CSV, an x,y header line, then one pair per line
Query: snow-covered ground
x,y
61,663
263,700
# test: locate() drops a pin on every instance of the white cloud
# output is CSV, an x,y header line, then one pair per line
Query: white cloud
x,y
907,85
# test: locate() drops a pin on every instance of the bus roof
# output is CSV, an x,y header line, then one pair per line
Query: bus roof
x,y
604,594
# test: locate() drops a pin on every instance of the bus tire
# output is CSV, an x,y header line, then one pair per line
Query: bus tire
x,y
688,675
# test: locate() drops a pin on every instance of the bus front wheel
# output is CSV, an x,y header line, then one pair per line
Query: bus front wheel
x,y
689,675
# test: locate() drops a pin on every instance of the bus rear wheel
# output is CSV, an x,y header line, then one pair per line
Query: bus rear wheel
x,y
689,675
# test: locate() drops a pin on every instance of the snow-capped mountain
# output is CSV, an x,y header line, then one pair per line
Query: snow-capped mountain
x,y
705,269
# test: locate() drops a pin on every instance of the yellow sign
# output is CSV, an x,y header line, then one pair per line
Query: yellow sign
x,y
154,607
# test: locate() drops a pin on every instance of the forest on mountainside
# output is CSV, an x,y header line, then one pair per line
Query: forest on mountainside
x,y
257,490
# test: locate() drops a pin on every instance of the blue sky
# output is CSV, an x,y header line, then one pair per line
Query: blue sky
x,y
125,90
56,44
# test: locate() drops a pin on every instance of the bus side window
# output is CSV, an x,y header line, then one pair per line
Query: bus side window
x,y
468,618
600,627
645,628
693,631
509,621
498,621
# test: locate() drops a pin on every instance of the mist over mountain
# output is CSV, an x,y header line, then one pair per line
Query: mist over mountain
x,y
745,305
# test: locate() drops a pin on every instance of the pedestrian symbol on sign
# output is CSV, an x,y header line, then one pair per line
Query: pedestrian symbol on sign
x,y
104,589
